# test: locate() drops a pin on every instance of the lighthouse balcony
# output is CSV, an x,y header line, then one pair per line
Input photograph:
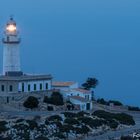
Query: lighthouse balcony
x,y
11,41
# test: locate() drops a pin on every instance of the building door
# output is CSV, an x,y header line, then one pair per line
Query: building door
x,y
88,106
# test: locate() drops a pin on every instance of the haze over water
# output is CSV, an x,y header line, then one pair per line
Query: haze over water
x,y
79,38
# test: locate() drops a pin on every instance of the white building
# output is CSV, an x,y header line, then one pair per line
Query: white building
x,y
72,92
83,103
13,80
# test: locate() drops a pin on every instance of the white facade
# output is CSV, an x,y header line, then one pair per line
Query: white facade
x,y
78,96
82,93
32,86
83,104
76,92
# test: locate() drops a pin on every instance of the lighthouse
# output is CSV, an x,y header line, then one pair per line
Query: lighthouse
x,y
13,82
11,50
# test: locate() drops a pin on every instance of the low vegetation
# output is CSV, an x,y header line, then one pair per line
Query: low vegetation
x,y
61,126
3,126
119,117
127,138
104,102
54,118
32,124
132,108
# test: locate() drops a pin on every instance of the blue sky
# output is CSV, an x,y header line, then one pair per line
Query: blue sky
x,y
79,38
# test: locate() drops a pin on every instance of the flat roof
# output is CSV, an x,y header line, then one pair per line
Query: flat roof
x,y
25,77
84,91
63,84
79,98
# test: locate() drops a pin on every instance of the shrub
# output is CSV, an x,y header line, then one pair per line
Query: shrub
x,y
55,99
26,135
32,124
126,138
6,138
82,113
121,117
37,118
3,122
66,128
85,129
69,114
54,118
92,122
20,120
82,130
113,124
78,130
103,114
102,101
21,127
124,119
50,108
3,128
117,103
131,108
31,102
59,135
41,138
47,100
71,121
47,122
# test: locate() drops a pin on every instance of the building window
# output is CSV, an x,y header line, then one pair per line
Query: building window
x,y
22,87
7,99
40,86
46,85
13,98
2,87
10,88
87,97
34,86
29,87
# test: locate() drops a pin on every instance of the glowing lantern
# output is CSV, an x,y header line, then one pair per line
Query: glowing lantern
x,y
11,28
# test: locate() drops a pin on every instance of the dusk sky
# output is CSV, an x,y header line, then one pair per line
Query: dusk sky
x,y
76,39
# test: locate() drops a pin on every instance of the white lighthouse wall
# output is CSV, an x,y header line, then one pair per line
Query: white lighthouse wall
x,y
11,58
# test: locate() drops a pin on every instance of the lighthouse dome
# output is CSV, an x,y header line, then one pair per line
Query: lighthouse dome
x,y
11,21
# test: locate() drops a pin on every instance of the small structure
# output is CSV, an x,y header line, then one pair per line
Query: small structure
x,y
78,96
84,104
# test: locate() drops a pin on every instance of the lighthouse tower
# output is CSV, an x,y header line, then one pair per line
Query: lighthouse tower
x,y
11,56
